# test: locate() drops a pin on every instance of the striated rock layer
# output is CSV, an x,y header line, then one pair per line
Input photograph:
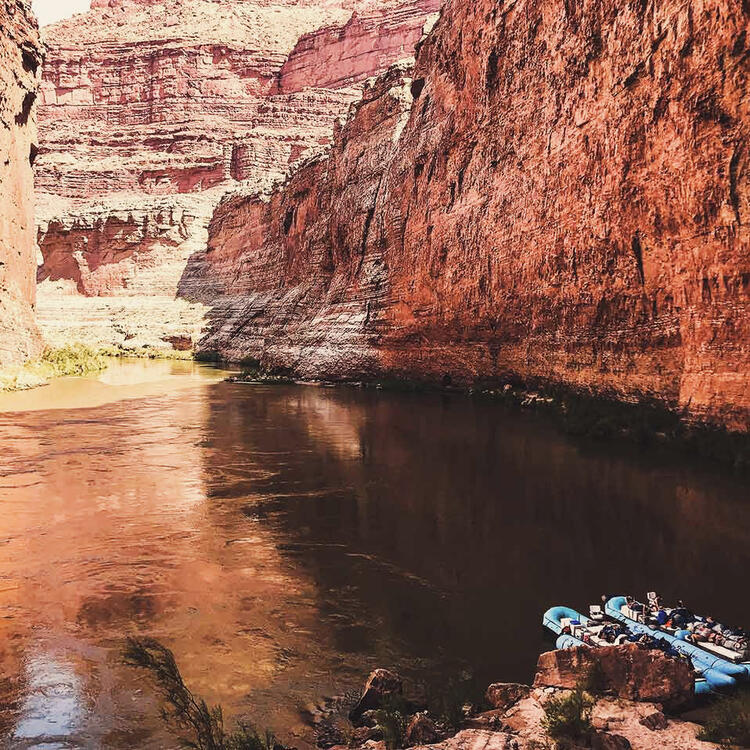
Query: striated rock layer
x,y
20,61
288,276
183,98
567,203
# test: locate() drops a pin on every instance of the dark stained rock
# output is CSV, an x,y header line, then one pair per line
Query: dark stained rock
x,y
627,671
365,733
380,685
655,721
606,741
421,730
487,719
506,694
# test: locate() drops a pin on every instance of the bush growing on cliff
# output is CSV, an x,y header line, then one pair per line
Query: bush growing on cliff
x,y
187,712
728,721
568,716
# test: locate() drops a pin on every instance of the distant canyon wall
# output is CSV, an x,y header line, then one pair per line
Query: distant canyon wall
x,y
20,64
150,112
558,193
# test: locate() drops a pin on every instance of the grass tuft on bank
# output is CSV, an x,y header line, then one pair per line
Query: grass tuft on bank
x,y
77,359
199,725
73,359
568,716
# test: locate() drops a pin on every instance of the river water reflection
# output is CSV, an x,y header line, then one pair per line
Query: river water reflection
x,y
285,540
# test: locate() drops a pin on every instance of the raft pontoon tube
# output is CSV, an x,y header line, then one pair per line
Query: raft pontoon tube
x,y
720,673
554,616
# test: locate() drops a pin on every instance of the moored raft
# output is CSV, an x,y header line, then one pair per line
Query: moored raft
x,y
617,608
574,629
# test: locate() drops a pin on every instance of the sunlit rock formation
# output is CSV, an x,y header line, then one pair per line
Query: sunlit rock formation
x,y
151,111
288,275
20,61
560,195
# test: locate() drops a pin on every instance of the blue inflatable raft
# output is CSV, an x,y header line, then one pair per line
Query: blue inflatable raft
x,y
721,673
557,618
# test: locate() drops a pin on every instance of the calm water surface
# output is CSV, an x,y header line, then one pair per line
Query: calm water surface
x,y
283,541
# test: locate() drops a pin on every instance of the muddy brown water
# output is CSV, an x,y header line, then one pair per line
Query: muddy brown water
x,y
285,540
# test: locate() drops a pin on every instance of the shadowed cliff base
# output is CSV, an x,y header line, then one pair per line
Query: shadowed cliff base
x,y
645,423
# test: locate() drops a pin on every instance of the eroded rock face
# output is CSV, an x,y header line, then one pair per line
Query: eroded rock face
x,y
628,671
110,271
20,62
566,204
286,275
185,98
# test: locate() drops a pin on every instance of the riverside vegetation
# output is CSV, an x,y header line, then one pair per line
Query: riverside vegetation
x,y
728,721
566,709
74,359
201,726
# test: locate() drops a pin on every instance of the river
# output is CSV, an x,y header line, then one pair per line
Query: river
x,y
285,540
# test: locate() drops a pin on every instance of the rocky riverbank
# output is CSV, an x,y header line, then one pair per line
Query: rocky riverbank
x,y
614,698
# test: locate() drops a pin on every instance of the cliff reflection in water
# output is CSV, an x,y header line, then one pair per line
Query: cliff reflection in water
x,y
449,525
285,540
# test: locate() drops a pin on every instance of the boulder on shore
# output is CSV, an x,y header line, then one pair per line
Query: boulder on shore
x,y
627,671
506,694
421,730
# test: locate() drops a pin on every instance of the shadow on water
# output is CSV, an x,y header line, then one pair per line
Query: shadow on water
x,y
285,540
448,525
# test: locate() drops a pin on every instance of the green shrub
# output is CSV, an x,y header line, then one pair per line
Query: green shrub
x,y
189,713
728,721
74,359
391,720
568,716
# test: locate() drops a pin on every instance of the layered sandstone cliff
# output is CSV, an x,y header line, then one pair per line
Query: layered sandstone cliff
x,y
20,61
151,111
567,203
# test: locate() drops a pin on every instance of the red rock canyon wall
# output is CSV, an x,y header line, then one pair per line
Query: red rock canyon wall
x,y
151,111
568,203
20,61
